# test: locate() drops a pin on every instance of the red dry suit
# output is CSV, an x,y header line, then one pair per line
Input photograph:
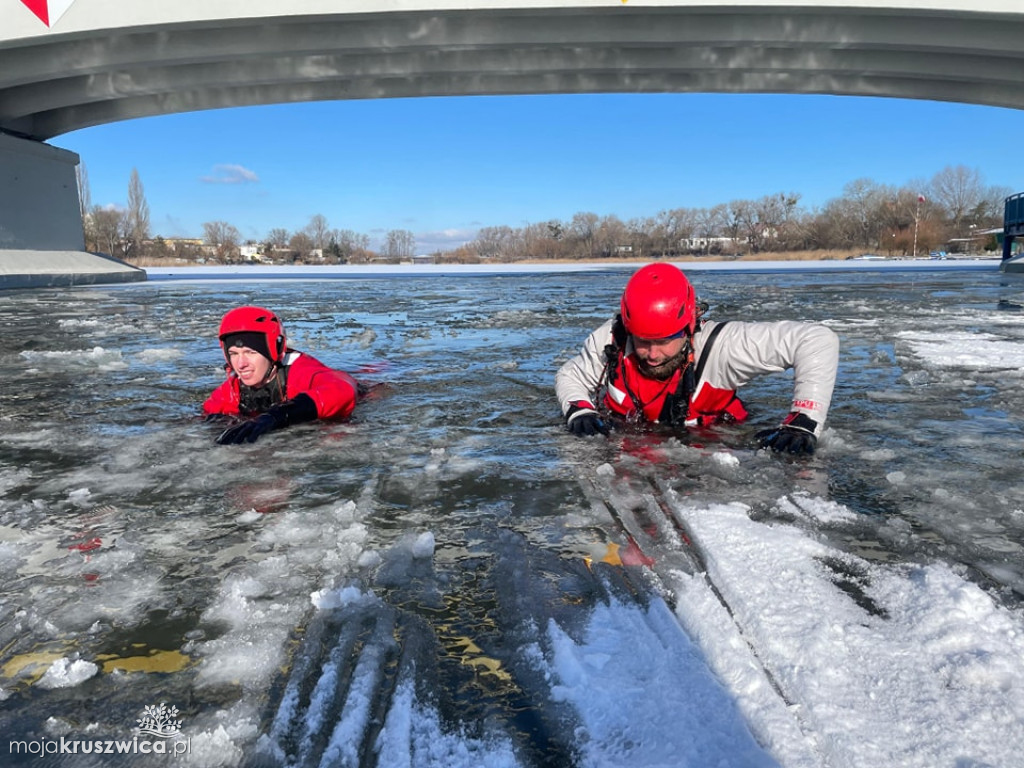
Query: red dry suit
x,y
675,401
334,392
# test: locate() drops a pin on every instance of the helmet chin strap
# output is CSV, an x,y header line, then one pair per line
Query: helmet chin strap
x,y
271,374
269,392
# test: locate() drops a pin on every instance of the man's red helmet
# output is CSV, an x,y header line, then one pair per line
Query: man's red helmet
x,y
255,320
659,302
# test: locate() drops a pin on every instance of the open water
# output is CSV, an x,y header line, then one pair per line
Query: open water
x,y
141,564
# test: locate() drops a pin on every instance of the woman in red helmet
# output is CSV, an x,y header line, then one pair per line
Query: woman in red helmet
x,y
659,362
270,385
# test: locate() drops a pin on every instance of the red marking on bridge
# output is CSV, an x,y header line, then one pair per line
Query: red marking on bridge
x,y
48,11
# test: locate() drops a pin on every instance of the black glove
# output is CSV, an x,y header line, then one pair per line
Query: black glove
x,y
295,411
795,435
583,420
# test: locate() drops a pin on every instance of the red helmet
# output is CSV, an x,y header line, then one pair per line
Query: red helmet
x,y
255,320
659,302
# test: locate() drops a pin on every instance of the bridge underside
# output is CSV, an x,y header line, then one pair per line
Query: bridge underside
x,y
54,84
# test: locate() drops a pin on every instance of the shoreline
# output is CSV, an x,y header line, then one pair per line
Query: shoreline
x,y
366,271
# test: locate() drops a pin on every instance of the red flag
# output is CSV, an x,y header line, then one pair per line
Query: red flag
x,y
920,198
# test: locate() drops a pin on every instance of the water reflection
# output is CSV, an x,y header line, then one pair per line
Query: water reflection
x,y
183,570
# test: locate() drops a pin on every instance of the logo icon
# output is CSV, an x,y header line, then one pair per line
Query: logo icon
x,y
159,721
48,11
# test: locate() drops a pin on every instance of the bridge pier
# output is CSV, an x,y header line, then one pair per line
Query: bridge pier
x,y
41,238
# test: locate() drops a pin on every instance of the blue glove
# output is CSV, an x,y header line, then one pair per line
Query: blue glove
x,y
794,435
583,420
299,409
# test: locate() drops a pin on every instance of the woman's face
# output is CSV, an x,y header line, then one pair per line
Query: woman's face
x,y
250,366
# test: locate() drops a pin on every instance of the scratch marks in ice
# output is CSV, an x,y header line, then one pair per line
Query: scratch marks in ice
x,y
922,671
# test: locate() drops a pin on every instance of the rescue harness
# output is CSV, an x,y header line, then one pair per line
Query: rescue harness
x,y
676,408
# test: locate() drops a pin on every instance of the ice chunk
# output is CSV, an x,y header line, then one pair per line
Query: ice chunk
x,y
326,599
725,459
369,559
156,355
423,547
67,673
251,516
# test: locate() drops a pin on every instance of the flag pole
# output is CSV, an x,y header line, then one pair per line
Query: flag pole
x,y
917,217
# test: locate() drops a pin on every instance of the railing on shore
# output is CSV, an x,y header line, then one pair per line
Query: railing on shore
x,y
1014,212
1013,222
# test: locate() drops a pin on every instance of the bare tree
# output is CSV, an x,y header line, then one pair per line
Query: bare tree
x,y
610,236
301,246
107,228
640,233
318,231
859,213
710,223
989,212
399,244
743,222
277,238
958,189
536,242
672,228
464,254
582,231
350,247
495,243
84,193
224,238
136,224
777,220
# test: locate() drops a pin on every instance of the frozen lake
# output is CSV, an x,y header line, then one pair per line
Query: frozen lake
x,y
451,579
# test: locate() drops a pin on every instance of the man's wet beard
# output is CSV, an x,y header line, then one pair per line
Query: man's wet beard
x,y
664,371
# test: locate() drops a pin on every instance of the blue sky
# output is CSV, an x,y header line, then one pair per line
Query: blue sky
x,y
444,167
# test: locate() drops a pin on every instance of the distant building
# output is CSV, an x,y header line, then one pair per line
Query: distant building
x,y
188,245
250,252
175,243
708,243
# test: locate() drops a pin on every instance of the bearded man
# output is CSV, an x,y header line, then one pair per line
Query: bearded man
x,y
660,362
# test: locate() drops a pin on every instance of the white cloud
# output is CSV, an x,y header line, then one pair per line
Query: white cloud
x,y
428,241
226,173
443,240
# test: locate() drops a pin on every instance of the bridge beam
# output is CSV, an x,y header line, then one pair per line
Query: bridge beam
x,y
55,84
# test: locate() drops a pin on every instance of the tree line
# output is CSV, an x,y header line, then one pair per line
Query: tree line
x,y
947,212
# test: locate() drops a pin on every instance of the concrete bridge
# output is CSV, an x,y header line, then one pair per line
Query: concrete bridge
x,y
71,64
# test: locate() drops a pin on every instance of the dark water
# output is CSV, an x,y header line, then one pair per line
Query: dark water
x,y
183,570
